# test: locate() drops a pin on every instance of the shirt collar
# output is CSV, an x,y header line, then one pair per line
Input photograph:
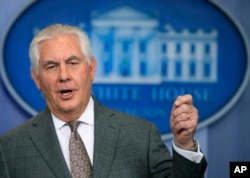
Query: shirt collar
x,y
86,117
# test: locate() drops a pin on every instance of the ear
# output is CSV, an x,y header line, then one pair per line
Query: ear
x,y
36,79
93,67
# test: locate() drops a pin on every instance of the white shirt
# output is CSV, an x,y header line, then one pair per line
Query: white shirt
x,y
195,157
85,130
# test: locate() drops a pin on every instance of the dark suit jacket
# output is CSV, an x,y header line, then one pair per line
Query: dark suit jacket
x,y
124,147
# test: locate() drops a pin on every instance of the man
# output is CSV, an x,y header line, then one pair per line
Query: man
x,y
118,145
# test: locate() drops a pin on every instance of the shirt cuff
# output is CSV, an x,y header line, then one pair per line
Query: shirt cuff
x,y
195,157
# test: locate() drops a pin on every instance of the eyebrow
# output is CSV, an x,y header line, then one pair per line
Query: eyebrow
x,y
72,58
51,61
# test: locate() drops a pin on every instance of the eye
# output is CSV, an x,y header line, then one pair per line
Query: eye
x,y
50,67
73,62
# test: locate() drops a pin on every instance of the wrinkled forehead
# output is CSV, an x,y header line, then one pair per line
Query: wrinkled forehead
x,y
60,47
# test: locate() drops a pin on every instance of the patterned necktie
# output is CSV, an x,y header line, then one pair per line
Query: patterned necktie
x,y
79,159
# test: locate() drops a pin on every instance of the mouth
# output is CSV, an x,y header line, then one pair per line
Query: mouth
x,y
66,92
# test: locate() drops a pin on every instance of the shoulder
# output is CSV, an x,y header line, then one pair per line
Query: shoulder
x,y
125,120
24,128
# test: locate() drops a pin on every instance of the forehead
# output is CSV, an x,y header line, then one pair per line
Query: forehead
x,y
61,40
60,45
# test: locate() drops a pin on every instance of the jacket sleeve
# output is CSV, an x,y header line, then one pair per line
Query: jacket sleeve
x,y
3,166
183,167
163,165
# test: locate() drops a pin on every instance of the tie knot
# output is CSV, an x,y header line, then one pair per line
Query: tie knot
x,y
74,125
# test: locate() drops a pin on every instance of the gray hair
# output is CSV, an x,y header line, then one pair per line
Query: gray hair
x,y
52,32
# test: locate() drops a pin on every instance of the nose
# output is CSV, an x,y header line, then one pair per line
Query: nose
x,y
64,74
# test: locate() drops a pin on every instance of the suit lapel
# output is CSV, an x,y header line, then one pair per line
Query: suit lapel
x,y
45,139
106,137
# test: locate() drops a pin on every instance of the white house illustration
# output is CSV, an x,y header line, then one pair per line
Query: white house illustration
x,y
130,48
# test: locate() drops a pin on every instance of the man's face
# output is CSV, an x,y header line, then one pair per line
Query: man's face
x,y
64,77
